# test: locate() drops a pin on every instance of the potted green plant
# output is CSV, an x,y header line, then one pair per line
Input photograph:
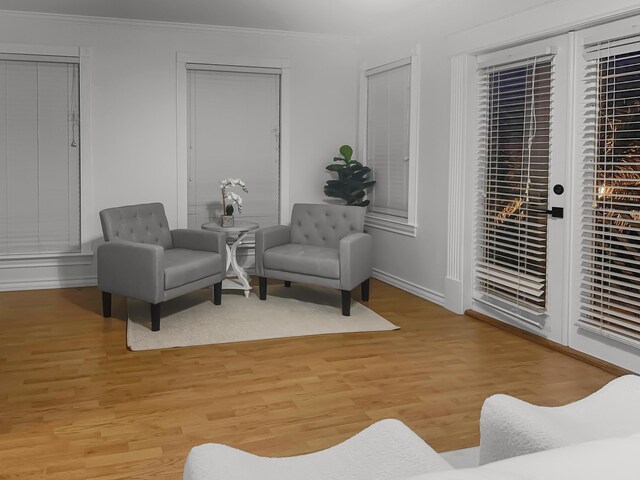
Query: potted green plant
x,y
353,179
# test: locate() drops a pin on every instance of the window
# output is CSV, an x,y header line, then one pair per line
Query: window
x,y
390,144
610,288
40,155
233,132
511,221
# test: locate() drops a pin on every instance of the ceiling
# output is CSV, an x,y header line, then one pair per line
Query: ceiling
x,y
348,17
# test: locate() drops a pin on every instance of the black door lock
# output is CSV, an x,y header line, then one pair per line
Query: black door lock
x,y
558,189
556,212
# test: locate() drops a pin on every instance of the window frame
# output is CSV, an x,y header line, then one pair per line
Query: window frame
x,y
377,220
184,58
86,165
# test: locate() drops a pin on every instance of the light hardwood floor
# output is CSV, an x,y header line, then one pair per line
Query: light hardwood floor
x,y
75,404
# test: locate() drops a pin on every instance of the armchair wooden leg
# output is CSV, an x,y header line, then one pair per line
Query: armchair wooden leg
x,y
262,281
156,308
365,290
106,304
217,293
346,303
287,283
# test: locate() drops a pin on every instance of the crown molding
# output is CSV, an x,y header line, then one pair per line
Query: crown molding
x,y
175,26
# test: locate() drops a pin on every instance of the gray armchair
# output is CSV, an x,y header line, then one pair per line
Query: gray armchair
x,y
325,245
143,259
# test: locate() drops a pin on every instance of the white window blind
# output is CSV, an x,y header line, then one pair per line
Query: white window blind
x,y
610,288
387,137
234,129
39,156
515,103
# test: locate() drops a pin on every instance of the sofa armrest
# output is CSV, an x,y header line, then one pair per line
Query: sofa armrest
x,y
202,240
267,238
356,251
132,269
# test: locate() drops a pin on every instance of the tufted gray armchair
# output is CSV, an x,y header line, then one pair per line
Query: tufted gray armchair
x,y
325,245
143,259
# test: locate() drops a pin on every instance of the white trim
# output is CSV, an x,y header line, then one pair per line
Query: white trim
x,y
387,66
86,154
46,50
182,59
390,225
46,260
408,286
456,211
542,21
49,283
175,26
374,219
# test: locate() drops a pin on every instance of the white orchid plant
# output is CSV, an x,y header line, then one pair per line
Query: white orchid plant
x,y
231,198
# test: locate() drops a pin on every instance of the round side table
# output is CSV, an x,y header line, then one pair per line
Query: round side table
x,y
234,235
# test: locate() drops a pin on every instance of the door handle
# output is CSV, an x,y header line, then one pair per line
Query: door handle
x,y
555,212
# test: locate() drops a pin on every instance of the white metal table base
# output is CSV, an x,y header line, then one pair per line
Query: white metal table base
x,y
242,280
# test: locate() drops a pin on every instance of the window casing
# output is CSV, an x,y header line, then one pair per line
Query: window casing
x,y
389,143
40,180
249,99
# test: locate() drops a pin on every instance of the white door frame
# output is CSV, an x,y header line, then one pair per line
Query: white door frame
x,y
181,124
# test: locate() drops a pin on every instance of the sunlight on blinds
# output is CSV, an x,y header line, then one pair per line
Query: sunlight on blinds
x,y
512,184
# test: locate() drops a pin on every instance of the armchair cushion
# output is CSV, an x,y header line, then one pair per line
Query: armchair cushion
x,y
146,223
305,259
324,225
182,266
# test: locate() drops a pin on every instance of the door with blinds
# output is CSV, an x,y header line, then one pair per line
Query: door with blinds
x,y
519,189
233,130
606,313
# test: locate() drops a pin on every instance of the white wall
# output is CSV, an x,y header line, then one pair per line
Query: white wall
x,y
133,111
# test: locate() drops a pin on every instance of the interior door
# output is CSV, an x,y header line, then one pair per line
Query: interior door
x,y
519,232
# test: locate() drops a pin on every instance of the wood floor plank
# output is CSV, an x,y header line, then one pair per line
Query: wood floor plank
x,y
76,404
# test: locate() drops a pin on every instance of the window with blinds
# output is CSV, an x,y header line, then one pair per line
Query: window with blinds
x,y
39,155
387,137
610,288
233,132
512,184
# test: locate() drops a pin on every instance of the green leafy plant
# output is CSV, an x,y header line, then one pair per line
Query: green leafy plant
x,y
353,179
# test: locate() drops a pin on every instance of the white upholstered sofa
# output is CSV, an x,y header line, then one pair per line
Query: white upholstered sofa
x,y
389,450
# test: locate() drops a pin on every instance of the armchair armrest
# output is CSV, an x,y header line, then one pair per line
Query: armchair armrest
x,y
132,269
356,251
267,238
202,240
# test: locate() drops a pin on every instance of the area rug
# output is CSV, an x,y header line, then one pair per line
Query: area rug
x,y
298,311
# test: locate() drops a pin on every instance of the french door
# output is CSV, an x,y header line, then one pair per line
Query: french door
x,y
520,189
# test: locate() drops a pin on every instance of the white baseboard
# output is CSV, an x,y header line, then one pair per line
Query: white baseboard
x,y
410,287
45,284
453,295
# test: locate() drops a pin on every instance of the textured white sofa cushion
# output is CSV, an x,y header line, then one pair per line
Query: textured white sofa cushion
x,y
386,450
510,427
612,458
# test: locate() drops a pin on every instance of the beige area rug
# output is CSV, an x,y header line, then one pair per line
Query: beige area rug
x,y
298,311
